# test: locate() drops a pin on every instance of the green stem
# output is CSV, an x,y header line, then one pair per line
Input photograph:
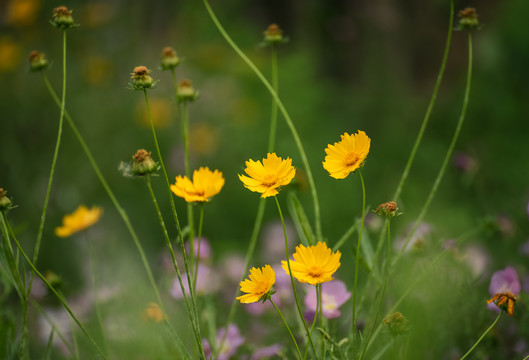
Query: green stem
x,y
482,336
53,162
318,306
288,328
200,223
383,291
357,259
448,155
273,115
319,294
52,325
300,312
284,112
190,309
249,254
60,298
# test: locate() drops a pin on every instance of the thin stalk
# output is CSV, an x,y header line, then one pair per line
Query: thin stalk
x,y
482,336
200,223
357,258
323,351
448,155
191,311
284,112
318,306
53,162
425,120
52,325
273,114
300,312
288,328
48,345
74,340
383,290
109,191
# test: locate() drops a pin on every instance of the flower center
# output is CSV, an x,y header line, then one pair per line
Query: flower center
x,y
329,303
270,180
315,272
261,288
351,159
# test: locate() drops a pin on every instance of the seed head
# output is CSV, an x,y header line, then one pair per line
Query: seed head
x,y
140,79
62,18
274,35
186,92
170,59
468,19
396,323
143,164
37,61
388,209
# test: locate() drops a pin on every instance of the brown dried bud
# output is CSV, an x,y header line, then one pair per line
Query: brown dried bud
x,y
62,18
273,34
143,163
37,61
396,323
388,209
141,80
468,19
186,92
170,59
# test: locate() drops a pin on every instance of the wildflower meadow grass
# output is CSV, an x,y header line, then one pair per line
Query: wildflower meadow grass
x,y
180,184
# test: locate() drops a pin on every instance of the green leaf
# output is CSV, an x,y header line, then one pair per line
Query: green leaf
x,y
301,222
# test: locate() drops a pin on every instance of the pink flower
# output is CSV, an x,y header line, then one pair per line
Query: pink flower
x,y
503,281
333,295
230,345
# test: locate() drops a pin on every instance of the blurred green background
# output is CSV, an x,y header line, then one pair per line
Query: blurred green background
x,y
349,65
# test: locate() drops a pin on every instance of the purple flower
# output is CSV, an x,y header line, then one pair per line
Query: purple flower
x,y
266,352
230,345
333,295
205,248
503,281
274,239
417,240
524,248
465,163
477,259
205,283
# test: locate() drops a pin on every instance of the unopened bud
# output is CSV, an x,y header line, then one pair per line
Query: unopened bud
x,y
37,61
53,279
468,19
274,35
388,209
170,59
5,202
141,80
143,164
396,323
186,92
62,18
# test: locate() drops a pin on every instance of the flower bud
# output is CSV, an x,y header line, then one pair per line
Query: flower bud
x,y
37,61
388,209
53,279
186,92
170,59
143,164
141,80
468,19
274,35
62,18
396,323
5,202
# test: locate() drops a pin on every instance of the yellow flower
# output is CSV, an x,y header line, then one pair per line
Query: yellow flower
x,y
206,184
504,301
79,220
259,284
153,312
268,176
314,264
347,155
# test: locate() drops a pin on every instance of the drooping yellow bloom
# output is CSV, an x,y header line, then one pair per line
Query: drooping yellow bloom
x,y
206,184
267,177
259,284
153,312
80,219
347,155
314,264
505,301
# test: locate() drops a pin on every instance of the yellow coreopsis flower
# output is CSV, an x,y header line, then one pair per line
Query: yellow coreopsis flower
x,y
205,184
347,155
267,177
153,312
259,284
314,264
80,219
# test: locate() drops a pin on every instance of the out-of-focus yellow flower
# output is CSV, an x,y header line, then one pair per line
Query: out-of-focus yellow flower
x,y
22,12
153,312
258,285
79,220
314,264
97,13
206,184
267,177
347,155
161,112
97,70
203,139
9,53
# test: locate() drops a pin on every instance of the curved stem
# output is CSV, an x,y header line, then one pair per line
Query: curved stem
x,y
302,318
200,223
383,291
190,310
448,153
318,307
288,328
357,259
284,112
482,336
273,115
53,162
